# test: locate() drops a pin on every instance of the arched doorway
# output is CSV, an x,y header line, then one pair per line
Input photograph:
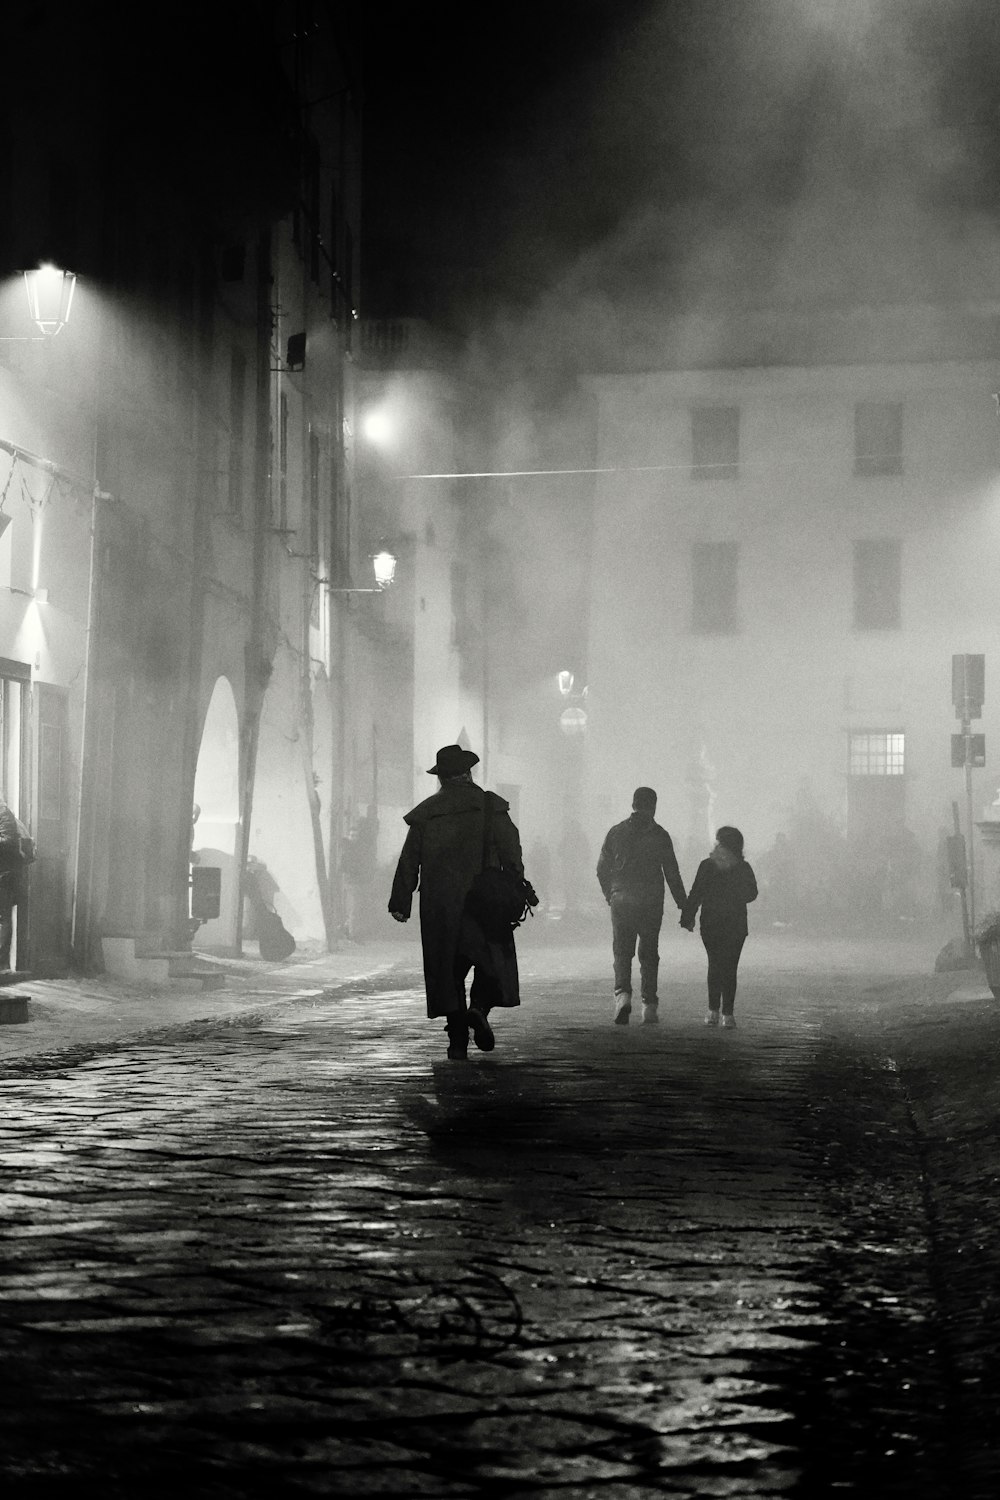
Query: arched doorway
x,y
216,812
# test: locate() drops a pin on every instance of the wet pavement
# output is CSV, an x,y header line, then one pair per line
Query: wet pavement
x,y
292,1250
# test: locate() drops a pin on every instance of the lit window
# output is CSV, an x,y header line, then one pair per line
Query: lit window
x,y
877,753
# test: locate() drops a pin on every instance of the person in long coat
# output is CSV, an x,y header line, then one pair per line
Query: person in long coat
x,y
443,853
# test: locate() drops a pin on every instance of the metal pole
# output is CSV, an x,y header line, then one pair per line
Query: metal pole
x,y
966,731
966,930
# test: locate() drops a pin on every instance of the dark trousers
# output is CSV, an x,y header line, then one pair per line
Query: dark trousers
x,y
634,922
484,993
723,951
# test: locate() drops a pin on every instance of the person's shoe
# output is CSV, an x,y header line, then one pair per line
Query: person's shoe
x,y
623,1009
482,1031
458,1054
650,1012
729,1023
712,1019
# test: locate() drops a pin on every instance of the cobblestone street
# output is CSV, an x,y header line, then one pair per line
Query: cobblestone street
x,y
298,1252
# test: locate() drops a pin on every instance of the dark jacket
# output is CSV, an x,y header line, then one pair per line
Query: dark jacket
x,y
637,856
12,862
443,853
723,895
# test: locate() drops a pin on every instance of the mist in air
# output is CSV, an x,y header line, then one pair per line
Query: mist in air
x,y
733,207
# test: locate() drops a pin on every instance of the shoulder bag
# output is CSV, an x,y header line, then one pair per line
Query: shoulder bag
x,y
499,900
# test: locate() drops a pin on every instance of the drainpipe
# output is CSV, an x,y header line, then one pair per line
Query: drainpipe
x,y
257,663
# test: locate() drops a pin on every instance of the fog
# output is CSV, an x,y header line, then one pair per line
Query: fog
x,y
784,208
760,219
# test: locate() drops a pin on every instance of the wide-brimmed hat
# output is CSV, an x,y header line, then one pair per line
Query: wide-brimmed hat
x,y
452,760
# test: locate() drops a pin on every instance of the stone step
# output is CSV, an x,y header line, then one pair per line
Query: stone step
x,y
128,959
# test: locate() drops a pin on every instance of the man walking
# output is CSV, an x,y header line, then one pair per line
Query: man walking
x,y
444,852
636,859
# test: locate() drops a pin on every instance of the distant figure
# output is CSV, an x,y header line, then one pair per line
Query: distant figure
x,y
540,865
723,887
574,857
13,863
443,853
637,857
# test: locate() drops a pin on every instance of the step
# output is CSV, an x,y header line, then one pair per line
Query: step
x,y
126,958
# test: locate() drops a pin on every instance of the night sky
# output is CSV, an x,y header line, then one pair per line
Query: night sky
x,y
698,152
537,164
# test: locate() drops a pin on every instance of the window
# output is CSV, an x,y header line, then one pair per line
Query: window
x,y
878,438
237,401
876,801
877,583
715,442
877,753
714,601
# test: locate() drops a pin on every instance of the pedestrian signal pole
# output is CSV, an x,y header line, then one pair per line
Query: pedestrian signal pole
x,y
968,682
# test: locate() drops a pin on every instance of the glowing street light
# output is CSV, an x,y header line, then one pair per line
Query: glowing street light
x,y
50,297
377,427
384,563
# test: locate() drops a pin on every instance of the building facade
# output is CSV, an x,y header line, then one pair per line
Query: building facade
x,y
787,554
177,653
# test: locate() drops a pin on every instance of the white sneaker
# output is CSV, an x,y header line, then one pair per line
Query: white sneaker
x,y
650,1013
623,1009
712,1018
729,1023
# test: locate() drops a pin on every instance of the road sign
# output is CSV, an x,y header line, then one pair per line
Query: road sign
x,y
968,686
968,750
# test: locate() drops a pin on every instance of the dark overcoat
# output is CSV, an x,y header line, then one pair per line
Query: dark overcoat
x,y
443,853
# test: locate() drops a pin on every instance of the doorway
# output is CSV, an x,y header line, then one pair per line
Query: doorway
x,y
216,815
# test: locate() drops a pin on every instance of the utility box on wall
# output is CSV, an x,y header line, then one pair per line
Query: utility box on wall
x,y
206,892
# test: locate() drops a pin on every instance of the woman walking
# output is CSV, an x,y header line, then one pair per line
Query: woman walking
x,y
723,887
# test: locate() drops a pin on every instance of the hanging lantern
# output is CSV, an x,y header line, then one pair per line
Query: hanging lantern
x,y
50,297
384,563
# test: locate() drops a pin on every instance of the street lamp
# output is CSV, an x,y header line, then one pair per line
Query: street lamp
x,y
50,297
384,564
384,567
